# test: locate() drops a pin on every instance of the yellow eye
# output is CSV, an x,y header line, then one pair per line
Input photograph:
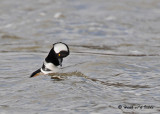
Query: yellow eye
x,y
59,54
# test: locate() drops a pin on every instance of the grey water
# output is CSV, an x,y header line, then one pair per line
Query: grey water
x,y
114,61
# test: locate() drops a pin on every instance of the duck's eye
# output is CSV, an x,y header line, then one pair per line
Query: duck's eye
x,y
59,54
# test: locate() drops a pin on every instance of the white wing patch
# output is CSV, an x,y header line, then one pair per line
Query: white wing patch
x,y
59,47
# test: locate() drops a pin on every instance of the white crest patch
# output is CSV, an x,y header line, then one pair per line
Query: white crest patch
x,y
59,47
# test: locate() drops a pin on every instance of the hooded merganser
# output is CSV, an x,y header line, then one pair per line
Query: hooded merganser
x,y
53,60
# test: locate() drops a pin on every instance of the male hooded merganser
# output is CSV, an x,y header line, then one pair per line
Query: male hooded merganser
x,y
54,59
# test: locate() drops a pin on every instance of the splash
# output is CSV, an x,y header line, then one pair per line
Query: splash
x,y
62,76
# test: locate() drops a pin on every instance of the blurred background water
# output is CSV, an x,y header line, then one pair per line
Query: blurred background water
x,y
114,58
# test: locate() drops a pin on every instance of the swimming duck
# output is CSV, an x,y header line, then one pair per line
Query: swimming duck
x,y
53,60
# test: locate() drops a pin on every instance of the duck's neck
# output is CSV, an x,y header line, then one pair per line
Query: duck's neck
x,y
52,58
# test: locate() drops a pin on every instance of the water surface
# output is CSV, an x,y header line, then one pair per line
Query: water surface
x,y
114,58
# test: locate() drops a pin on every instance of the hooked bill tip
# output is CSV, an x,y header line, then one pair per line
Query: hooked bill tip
x,y
60,61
